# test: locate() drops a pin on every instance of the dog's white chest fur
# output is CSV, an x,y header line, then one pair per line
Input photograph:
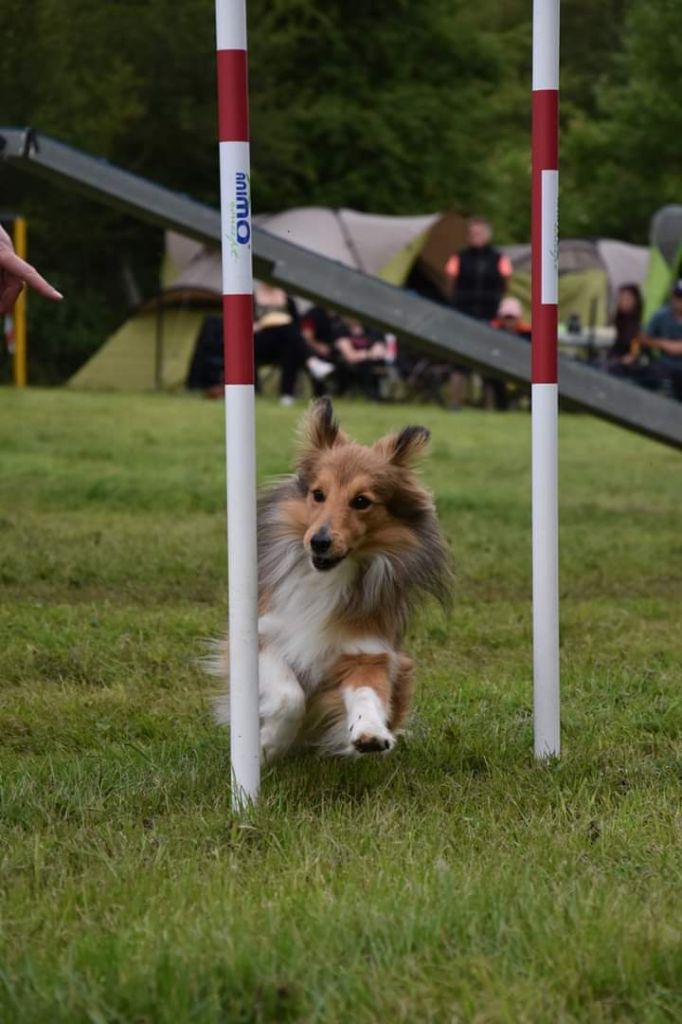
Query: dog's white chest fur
x,y
299,623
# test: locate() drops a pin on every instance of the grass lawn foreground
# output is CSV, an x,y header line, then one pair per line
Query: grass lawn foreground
x,y
454,881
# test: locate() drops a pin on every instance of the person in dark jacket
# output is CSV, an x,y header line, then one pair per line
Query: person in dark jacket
x,y
628,324
663,334
479,275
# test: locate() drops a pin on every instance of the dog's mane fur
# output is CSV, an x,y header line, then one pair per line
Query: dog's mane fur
x,y
387,584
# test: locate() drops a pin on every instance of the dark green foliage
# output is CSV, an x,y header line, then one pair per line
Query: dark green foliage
x,y
623,163
396,107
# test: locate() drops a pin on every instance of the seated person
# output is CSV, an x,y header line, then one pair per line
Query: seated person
x,y
664,335
624,358
206,368
319,327
277,339
509,318
362,354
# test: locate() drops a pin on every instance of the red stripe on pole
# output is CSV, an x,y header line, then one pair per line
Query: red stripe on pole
x,y
238,339
545,129
545,155
233,91
544,344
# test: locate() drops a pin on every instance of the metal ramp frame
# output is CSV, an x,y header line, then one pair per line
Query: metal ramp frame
x,y
423,324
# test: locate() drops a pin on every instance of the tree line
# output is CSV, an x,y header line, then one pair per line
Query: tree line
x,y
396,107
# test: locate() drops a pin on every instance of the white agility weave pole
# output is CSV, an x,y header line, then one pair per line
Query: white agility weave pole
x,y
544,388
240,444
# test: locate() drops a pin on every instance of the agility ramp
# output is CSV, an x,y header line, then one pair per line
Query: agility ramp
x,y
425,325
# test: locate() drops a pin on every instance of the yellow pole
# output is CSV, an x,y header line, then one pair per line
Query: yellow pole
x,y
19,314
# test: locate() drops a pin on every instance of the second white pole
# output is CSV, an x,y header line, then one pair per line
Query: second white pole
x,y
544,392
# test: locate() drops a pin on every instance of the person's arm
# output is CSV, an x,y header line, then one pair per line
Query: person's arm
x,y
321,348
15,273
629,356
292,309
451,270
312,328
671,346
654,336
504,267
505,270
350,354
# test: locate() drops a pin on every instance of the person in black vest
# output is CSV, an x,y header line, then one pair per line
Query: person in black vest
x,y
479,275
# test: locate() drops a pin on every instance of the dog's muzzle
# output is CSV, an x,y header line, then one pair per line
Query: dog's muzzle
x,y
320,546
325,562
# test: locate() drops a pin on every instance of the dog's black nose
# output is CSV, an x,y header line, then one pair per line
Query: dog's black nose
x,y
320,542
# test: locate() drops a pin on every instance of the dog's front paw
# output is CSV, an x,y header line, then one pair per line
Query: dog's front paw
x,y
372,739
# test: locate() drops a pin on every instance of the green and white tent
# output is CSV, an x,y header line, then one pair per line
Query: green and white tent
x,y
153,349
665,260
590,274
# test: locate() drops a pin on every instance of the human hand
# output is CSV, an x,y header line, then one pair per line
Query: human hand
x,y
672,347
15,273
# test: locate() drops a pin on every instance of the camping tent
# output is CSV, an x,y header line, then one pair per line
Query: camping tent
x,y
375,244
154,348
590,274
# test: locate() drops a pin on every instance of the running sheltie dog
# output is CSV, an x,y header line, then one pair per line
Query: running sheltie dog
x,y
345,547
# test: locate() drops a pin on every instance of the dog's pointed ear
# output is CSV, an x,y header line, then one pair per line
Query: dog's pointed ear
x,y
405,447
319,430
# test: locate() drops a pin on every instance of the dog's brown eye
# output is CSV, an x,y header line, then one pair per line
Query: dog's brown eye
x,y
360,501
318,495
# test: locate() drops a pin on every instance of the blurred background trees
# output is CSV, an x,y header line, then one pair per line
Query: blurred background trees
x,y
393,107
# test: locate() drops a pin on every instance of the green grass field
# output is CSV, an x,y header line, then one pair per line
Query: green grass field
x,y
454,881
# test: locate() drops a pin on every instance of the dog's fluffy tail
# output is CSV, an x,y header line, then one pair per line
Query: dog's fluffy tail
x,y
215,662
